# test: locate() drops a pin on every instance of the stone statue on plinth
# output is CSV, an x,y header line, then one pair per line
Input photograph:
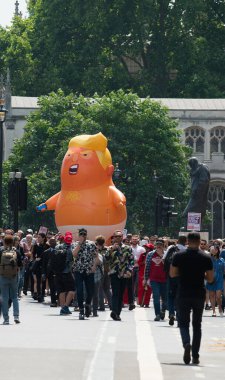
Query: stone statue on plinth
x,y
200,178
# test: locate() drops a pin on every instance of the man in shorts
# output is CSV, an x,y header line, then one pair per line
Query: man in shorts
x,y
64,280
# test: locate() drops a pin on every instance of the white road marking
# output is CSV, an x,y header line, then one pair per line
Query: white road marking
x,y
94,370
111,340
196,369
200,375
146,351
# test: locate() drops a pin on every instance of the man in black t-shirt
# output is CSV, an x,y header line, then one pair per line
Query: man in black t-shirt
x,y
192,267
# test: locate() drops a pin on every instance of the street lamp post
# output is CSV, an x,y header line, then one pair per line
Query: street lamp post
x,y
155,180
2,120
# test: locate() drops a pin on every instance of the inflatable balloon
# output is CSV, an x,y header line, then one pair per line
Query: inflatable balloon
x,y
88,196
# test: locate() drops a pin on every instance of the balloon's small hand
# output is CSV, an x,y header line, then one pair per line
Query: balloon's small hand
x,y
41,207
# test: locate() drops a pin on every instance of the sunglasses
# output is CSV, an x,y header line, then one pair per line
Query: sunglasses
x,y
82,234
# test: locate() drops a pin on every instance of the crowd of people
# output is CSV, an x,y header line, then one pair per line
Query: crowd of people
x,y
90,276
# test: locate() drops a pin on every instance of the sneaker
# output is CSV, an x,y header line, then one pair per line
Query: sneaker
x,y
131,306
76,308
17,321
162,315
87,311
95,314
81,316
53,305
214,315
207,307
25,292
157,318
187,353
171,320
195,361
118,318
5,322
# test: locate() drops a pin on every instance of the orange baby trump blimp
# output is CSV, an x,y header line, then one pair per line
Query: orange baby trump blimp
x,y
88,196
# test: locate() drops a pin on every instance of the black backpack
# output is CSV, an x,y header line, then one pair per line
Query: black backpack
x,y
58,260
169,258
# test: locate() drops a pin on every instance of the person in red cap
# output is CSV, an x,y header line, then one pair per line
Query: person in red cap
x,y
144,292
65,284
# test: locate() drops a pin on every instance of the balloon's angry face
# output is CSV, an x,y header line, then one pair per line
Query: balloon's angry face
x,y
81,168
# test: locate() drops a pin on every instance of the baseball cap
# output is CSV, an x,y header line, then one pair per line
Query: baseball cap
x,y
30,231
68,238
149,246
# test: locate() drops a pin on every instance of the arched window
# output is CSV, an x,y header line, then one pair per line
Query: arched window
x,y
216,199
195,138
217,140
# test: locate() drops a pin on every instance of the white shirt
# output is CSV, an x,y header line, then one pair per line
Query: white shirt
x,y
137,251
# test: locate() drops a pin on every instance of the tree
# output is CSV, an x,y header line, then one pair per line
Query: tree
x,y
157,48
16,54
141,137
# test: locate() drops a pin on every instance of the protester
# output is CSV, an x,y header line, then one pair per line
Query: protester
x,y
61,266
156,277
137,250
144,292
98,273
21,270
216,289
28,276
47,271
121,262
37,254
172,283
84,264
192,267
104,290
10,262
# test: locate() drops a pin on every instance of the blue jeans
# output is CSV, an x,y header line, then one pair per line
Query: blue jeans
x,y
21,279
9,288
172,286
159,291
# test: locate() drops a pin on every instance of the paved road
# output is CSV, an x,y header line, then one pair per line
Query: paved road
x,y
52,347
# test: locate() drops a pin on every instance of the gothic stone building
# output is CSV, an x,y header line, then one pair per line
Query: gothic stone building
x,y
202,122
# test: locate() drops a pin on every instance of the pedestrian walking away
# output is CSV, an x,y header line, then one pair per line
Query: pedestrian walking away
x,y
10,262
192,267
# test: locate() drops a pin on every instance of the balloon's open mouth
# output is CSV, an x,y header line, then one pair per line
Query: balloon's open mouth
x,y
73,169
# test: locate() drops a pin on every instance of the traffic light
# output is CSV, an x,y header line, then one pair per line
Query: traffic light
x,y
17,194
165,206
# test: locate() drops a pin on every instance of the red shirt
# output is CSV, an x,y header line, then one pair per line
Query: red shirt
x,y
157,272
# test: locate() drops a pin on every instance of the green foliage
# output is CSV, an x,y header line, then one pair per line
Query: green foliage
x,y
16,54
141,138
176,46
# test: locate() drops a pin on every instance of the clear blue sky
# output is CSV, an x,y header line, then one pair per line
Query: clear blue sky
x,y
7,9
